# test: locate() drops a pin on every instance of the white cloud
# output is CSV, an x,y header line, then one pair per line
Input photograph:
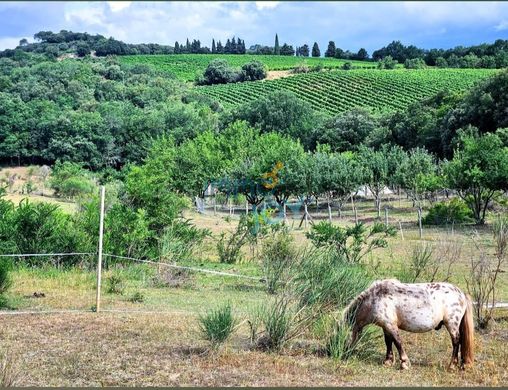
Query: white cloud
x,y
503,25
117,6
266,4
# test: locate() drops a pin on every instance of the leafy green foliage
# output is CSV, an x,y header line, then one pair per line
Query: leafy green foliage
x,y
351,243
70,180
479,168
455,211
115,285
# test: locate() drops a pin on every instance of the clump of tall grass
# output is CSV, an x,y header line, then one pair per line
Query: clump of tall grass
x,y
277,256
5,281
217,325
338,342
115,285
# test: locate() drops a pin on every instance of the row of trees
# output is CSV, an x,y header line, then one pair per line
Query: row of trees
x,y
480,56
259,165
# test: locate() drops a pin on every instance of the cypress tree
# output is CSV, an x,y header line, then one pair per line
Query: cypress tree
x,y
177,48
315,50
330,51
276,49
220,48
214,49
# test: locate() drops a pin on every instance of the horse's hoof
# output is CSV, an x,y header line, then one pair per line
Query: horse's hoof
x,y
388,362
405,365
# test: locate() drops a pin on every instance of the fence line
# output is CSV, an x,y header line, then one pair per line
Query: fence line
x,y
209,271
47,254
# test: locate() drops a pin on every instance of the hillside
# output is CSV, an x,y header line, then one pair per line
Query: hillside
x,y
334,92
186,66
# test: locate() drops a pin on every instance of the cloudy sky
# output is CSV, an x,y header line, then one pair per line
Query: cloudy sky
x,y
350,24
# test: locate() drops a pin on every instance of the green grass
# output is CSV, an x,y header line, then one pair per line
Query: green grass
x,y
334,92
186,66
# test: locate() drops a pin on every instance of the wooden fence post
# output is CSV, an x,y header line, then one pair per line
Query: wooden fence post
x,y
99,259
420,222
386,216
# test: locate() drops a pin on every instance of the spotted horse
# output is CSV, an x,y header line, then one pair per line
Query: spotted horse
x,y
417,308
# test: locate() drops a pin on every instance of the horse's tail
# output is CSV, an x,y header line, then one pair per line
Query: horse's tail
x,y
466,334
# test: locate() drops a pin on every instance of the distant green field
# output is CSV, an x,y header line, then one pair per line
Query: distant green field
x,y
337,91
187,66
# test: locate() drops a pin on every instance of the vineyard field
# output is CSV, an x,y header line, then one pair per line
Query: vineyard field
x,y
186,66
334,92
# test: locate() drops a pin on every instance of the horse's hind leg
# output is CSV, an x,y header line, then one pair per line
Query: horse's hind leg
x,y
404,360
453,329
389,359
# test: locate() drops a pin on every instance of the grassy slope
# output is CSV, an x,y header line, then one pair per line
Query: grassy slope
x,y
186,66
338,91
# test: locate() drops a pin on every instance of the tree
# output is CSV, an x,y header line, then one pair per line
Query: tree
x,y
315,50
287,50
23,42
330,51
376,167
218,71
340,175
478,170
82,49
362,54
276,48
281,112
345,132
214,49
304,50
177,48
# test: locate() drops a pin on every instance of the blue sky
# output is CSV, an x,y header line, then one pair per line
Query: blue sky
x,y
350,24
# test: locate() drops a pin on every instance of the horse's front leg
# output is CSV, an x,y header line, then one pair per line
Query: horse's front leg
x,y
404,360
389,359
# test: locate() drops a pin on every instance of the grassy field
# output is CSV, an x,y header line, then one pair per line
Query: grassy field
x,y
334,92
156,341
186,66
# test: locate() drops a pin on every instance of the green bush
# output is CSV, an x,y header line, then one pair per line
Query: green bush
x,y
137,297
115,285
351,243
253,70
277,256
217,325
444,213
70,180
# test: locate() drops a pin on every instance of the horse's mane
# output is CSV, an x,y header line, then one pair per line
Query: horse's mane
x,y
349,313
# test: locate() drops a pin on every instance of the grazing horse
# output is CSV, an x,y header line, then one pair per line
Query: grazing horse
x,y
416,307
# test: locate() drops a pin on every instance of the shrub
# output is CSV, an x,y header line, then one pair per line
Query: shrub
x,y
218,71
277,257
217,325
253,71
300,68
180,240
415,63
70,180
137,297
347,66
455,211
115,285
387,63
351,243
